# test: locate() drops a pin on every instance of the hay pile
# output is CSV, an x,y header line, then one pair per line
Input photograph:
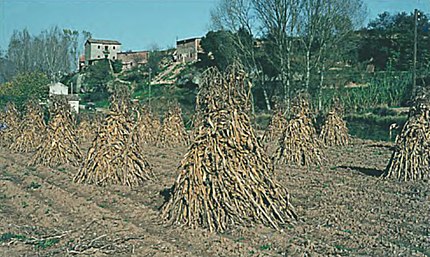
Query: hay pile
x,y
10,123
88,125
410,158
148,126
173,131
59,146
334,132
31,131
225,178
115,156
276,127
299,144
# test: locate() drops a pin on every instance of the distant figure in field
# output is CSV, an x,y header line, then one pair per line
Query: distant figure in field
x,y
393,126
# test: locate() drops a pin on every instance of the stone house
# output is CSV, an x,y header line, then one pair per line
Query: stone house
x,y
188,50
96,49
132,59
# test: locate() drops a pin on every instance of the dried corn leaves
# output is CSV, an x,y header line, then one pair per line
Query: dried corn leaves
x,y
9,125
299,144
225,177
31,130
276,127
148,126
334,132
173,131
59,146
115,156
410,159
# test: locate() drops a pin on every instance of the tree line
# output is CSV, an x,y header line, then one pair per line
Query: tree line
x,y
291,46
54,52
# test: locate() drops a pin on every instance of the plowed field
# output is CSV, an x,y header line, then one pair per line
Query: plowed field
x,y
344,210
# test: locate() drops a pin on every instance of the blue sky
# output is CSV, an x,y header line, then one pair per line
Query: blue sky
x,y
138,24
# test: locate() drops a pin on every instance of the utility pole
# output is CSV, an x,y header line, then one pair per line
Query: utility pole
x,y
414,76
149,85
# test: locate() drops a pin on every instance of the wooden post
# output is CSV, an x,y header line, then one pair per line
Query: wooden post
x,y
414,76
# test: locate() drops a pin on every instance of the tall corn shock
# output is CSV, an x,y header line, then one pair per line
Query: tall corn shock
x,y
115,156
410,158
334,132
11,120
299,144
86,128
276,127
225,178
148,126
173,131
59,146
31,131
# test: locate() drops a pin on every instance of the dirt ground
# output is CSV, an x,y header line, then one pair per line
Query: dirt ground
x,y
344,210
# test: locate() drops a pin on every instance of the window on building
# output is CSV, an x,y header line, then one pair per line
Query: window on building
x,y
98,56
113,47
98,47
106,47
113,57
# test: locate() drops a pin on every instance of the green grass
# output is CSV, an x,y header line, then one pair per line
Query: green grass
x,y
265,247
38,244
374,127
43,244
8,236
34,185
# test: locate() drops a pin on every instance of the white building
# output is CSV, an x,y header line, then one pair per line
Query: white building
x,y
61,89
58,89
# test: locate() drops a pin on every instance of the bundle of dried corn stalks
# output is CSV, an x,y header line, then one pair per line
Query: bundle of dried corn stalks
x,y
276,127
148,126
225,178
87,128
59,146
299,144
334,132
115,156
173,131
11,120
31,130
411,157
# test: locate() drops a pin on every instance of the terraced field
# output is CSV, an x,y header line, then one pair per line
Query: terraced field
x,y
344,210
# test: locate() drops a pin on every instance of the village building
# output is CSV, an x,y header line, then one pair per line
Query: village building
x,y
132,59
188,50
97,49
59,89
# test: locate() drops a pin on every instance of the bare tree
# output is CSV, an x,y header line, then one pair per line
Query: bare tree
x,y
53,51
239,17
279,23
323,26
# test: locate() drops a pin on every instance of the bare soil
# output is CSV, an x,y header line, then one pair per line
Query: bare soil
x,y
345,209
